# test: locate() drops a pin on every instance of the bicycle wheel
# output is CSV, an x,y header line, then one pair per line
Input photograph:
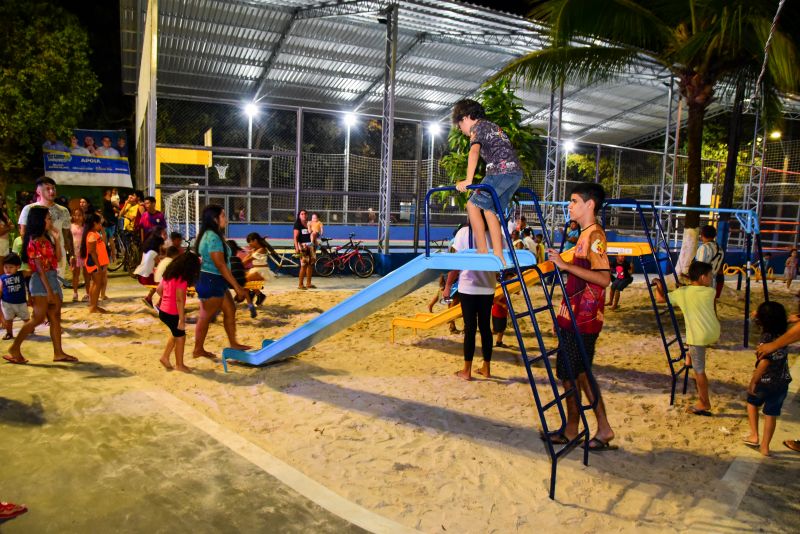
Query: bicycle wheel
x,y
364,251
122,250
325,265
133,258
362,265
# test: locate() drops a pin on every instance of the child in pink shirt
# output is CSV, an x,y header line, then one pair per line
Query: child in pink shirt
x,y
180,274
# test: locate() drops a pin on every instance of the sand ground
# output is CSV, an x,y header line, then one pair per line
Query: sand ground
x,y
388,427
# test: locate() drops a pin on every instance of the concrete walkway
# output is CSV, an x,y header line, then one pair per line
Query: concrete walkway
x,y
88,447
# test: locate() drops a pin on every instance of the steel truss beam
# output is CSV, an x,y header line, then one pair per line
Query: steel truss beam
x,y
340,9
553,158
368,91
577,135
273,56
387,128
670,157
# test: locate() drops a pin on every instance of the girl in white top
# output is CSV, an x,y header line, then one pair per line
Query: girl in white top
x,y
476,292
260,271
258,255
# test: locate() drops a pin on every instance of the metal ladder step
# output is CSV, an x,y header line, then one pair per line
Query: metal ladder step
x,y
543,356
560,397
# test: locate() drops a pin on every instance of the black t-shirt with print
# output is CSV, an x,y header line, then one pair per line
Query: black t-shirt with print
x,y
496,149
305,234
777,375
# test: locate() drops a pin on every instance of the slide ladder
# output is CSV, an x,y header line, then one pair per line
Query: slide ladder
x,y
674,347
548,398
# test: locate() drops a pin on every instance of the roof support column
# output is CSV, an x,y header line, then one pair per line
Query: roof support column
x,y
669,159
298,161
752,195
387,129
553,157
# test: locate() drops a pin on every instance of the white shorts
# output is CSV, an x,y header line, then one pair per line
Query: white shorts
x,y
10,311
265,273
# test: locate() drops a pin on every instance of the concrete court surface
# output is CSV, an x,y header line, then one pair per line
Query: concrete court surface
x,y
87,449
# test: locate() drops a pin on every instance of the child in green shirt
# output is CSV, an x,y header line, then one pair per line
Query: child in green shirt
x,y
702,327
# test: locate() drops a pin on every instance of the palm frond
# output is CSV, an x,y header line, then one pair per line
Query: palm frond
x,y
619,21
782,62
584,65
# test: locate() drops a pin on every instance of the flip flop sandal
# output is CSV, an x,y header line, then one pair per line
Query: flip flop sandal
x,y
696,411
793,444
11,359
557,439
8,336
9,510
67,359
751,444
602,446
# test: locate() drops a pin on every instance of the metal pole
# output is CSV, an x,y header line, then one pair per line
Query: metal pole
x,y
249,165
417,181
748,258
430,162
186,210
346,198
269,196
298,162
597,165
387,128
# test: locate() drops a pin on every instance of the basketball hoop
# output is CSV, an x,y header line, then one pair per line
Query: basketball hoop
x,y
221,170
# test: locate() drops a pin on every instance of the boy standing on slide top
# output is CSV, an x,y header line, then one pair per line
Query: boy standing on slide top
x,y
503,172
589,275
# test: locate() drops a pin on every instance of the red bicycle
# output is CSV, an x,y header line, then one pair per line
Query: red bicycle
x,y
351,255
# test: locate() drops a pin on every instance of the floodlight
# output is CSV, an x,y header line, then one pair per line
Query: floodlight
x,y
349,119
569,146
434,128
251,109
775,134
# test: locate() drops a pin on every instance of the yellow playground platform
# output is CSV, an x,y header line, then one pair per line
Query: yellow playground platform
x,y
425,321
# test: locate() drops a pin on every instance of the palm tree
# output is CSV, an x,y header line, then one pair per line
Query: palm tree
x,y
708,45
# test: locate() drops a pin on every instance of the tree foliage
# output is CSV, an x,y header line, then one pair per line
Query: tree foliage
x,y
709,46
505,109
46,83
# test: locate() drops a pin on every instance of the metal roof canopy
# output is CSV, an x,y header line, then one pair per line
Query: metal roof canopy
x,y
332,56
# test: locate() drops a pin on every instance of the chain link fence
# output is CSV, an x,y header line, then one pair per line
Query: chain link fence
x,y
255,170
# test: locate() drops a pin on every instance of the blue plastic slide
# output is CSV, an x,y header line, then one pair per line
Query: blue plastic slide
x,y
400,282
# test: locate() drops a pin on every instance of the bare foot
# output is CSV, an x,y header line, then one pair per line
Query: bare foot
x,y
166,364
484,372
239,346
430,309
183,369
463,375
64,357
204,354
98,309
764,451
